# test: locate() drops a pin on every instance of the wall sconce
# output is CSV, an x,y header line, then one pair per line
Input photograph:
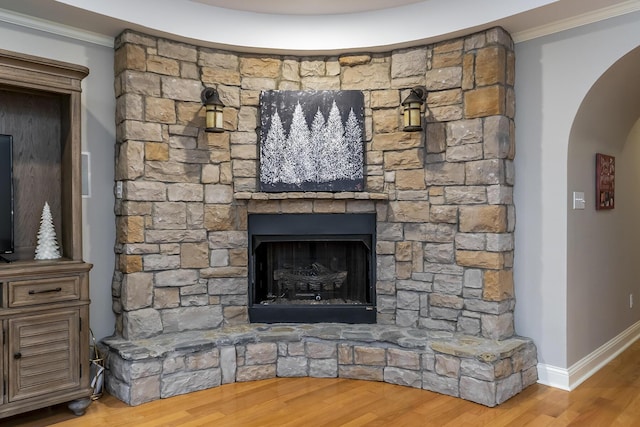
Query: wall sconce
x,y
412,114
213,106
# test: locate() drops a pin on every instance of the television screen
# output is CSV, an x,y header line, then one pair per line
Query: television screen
x,y
6,195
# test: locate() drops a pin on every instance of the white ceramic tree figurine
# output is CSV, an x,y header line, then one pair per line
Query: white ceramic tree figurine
x,y
47,247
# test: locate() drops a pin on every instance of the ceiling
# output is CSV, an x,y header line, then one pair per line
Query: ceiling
x,y
307,7
311,26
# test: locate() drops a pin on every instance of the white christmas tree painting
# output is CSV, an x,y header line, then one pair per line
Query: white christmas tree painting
x,y
47,247
306,149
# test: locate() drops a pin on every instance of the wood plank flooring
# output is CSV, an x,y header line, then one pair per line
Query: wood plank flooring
x,y
609,398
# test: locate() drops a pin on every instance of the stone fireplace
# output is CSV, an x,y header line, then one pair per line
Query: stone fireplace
x,y
309,268
435,300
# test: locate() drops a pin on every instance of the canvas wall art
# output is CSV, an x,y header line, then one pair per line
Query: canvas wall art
x,y
605,181
311,141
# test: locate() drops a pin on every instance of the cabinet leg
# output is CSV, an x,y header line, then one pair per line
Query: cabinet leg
x,y
79,406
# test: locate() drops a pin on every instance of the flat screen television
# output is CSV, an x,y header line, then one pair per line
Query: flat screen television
x,y
6,195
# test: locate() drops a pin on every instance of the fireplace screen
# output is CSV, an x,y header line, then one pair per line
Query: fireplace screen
x,y
320,275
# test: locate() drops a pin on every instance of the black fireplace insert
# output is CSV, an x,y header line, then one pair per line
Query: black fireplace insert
x,y
309,268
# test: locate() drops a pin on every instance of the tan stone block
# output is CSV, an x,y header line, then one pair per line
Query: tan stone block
x,y
385,121
260,67
487,219
480,259
214,76
190,114
230,119
130,229
263,206
436,138
244,152
447,59
218,217
218,141
130,263
219,156
130,160
161,65
320,83
345,354
166,298
418,257
297,206
129,107
177,50
405,359
443,214
129,57
445,113
226,177
409,211
444,78
374,157
351,60
491,66
329,206
160,110
483,102
244,168
511,68
189,70
194,255
370,76
468,73
448,46
157,151
444,97
210,174
385,98
412,179
396,141
371,356
238,257
409,62
498,285
291,70
405,159
312,68
235,315
403,270
369,373
435,191
216,58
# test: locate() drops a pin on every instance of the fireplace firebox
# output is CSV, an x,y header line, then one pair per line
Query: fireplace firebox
x,y
309,268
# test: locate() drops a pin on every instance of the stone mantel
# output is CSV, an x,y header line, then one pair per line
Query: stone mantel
x,y
345,195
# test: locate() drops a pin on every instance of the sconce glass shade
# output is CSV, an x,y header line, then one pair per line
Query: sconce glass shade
x,y
214,110
412,113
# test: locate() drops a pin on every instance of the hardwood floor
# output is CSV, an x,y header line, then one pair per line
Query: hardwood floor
x,y
609,398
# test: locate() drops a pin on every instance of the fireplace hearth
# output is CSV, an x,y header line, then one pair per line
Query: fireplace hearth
x,y
308,268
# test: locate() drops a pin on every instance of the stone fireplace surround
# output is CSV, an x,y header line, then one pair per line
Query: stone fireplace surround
x,y
443,202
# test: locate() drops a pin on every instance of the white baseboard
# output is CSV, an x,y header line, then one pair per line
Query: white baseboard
x,y
569,379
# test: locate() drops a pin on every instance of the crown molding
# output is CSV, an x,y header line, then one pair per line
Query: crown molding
x,y
577,21
50,27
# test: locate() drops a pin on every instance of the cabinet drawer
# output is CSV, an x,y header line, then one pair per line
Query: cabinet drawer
x,y
41,291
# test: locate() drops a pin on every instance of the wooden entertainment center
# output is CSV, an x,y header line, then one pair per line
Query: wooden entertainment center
x,y
44,305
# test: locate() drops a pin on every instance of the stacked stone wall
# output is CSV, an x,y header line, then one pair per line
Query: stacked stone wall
x,y
443,198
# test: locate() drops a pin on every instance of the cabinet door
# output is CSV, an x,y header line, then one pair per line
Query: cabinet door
x,y
43,354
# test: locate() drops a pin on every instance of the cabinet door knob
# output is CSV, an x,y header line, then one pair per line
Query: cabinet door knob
x,y
18,355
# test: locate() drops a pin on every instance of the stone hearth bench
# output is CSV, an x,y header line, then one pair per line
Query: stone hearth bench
x,y
472,368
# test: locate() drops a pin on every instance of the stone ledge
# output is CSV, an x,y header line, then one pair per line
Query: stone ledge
x,y
344,195
473,368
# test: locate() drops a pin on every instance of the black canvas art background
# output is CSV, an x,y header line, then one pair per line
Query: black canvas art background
x,y
312,141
